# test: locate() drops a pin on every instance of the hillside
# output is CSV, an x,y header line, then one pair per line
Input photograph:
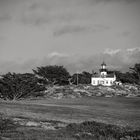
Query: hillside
x,y
74,91
64,119
82,112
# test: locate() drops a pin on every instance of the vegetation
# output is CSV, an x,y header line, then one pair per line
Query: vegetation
x,y
15,86
87,130
132,76
97,131
118,110
6,124
125,77
136,72
81,78
53,74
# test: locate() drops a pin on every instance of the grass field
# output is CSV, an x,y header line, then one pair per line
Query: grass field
x,y
118,111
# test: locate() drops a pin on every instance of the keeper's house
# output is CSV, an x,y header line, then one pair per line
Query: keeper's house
x,y
103,78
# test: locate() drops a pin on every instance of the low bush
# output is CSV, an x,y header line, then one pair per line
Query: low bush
x,y
6,124
97,130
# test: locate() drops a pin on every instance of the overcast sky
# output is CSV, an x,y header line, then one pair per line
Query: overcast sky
x,y
78,34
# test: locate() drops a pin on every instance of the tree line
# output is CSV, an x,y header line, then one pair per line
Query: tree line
x,y
15,86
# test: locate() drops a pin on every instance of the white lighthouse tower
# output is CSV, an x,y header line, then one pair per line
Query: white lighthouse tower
x,y
103,70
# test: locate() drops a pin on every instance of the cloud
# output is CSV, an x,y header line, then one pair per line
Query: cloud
x,y
132,55
108,1
74,29
125,58
122,57
133,50
45,12
112,51
5,17
100,27
96,25
56,54
68,29
35,14
120,60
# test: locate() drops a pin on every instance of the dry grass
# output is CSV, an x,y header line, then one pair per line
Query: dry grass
x,y
120,111
114,111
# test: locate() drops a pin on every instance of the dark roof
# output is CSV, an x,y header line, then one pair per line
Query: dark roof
x,y
101,70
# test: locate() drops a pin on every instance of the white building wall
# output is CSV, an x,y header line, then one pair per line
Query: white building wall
x,y
102,81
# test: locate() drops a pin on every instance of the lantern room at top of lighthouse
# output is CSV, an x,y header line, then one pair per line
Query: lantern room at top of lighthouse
x,y
103,70
103,66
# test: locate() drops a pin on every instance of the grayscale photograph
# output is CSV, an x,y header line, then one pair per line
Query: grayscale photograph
x,y
69,69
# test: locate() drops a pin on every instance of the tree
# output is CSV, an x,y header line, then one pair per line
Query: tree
x,y
136,72
82,78
53,74
126,77
15,86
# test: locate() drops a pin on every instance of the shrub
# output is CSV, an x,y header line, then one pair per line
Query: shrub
x,y
53,74
6,124
98,130
15,86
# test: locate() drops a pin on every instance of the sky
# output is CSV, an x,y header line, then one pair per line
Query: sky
x,y
78,34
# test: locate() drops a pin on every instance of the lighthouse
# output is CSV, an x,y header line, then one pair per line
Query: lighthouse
x,y
103,78
103,70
